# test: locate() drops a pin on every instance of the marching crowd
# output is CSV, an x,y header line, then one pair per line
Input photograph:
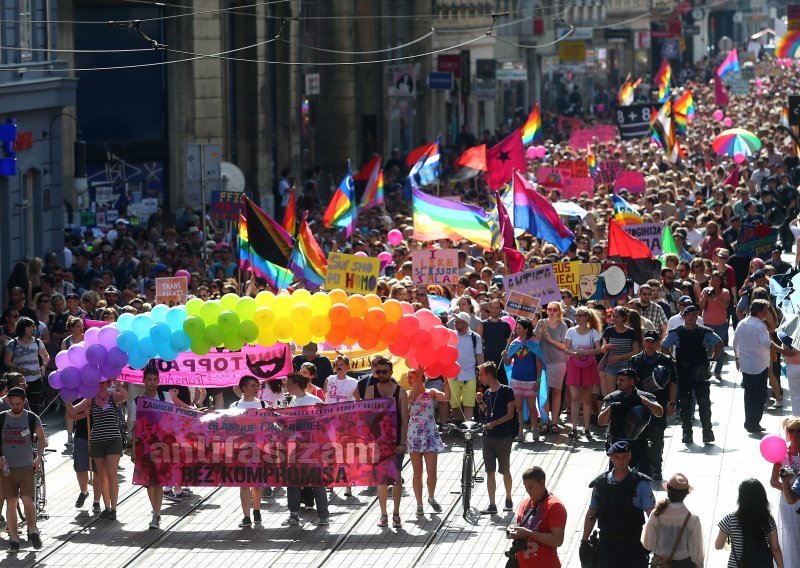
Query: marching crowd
x,y
616,368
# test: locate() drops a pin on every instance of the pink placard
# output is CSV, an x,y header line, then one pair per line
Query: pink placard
x,y
552,177
632,181
604,133
574,186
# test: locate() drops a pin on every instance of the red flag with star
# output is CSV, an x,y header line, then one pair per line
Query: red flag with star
x,y
503,158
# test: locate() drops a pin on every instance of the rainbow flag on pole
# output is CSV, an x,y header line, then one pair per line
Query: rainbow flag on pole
x,y
290,217
278,277
308,261
436,218
341,212
683,111
662,80
532,129
373,175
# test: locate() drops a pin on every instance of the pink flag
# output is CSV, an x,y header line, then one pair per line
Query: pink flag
x,y
720,96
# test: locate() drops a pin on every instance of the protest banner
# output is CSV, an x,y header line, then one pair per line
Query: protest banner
x,y
567,275
649,233
577,168
539,282
608,170
434,267
172,290
226,205
632,181
572,122
606,282
756,240
552,177
522,305
217,370
344,444
574,186
353,274
604,133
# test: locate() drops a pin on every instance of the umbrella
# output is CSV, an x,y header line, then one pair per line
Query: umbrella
x,y
736,141
569,209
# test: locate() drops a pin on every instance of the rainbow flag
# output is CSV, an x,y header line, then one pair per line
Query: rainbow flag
x,y
341,212
625,213
308,261
662,79
729,65
683,111
532,129
278,277
591,162
290,217
436,218
628,91
373,193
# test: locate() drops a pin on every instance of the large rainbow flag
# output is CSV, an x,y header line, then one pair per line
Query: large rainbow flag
x,y
308,260
266,250
683,111
624,212
532,129
436,218
341,212
662,80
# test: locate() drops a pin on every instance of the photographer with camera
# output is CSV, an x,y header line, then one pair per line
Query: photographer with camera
x,y
539,531
784,478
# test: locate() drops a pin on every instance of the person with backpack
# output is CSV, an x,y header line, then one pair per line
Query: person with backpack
x,y
502,421
672,532
249,386
751,530
27,355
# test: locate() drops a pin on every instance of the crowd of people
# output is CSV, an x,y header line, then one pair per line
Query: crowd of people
x,y
615,368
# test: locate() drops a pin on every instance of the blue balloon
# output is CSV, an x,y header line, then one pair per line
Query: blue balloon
x,y
175,318
180,341
159,312
125,321
127,341
141,325
167,354
160,334
147,348
136,361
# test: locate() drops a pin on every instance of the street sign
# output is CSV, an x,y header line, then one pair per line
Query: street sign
x,y
312,83
691,30
440,81
449,64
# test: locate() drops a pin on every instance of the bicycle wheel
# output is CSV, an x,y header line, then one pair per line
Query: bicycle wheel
x,y
466,481
40,491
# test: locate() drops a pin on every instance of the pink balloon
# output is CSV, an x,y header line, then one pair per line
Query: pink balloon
x,y
738,158
361,253
717,115
385,257
541,152
439,335
428,319
530,153
510,321
91,336
773,448
394,237
407,307
728,121
185,274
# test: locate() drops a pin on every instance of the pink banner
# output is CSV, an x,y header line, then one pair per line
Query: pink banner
x,y
223,369
350,443
632,181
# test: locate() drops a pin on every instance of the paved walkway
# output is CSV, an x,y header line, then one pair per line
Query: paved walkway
x,y
203,531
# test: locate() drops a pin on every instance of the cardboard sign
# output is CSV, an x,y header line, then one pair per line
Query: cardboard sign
x,y
172,291
226,205
522,305
649,233
434,267
552,177
736,84
604,133
756,240
539,282
567,275
353,274
632,181
574,186
577,168
608,171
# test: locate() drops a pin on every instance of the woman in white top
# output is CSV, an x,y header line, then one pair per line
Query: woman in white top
x,y
249,386
582,343
340,387
663,532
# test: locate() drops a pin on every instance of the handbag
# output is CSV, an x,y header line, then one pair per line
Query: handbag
x,y
666,561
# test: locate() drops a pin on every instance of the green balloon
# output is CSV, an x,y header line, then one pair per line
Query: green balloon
x,y
213,335
246,308
200,347
233,343
210,312
194,326
228,321
248,331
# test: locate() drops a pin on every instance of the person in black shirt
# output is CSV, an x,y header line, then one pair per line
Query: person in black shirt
x,y
323,364
495,338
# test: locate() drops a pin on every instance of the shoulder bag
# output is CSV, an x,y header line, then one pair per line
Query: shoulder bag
x,y
666,561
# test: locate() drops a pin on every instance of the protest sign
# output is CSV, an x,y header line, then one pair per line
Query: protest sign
x,y
172,291
567,275
577,168
353,274
522,305
649,233
756,240
344,444
226,205
574,186
604,133
217,370
608,170
434,267
632,181
539,282
552,177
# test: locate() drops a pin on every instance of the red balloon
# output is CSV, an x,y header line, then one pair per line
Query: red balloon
x,y
452,339
408,325
407,307
447,355
426,357
439,335
421,340
389,332
435,370
427,319
400,347
411,360
452,371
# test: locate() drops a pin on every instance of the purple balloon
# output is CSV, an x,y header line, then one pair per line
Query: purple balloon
x,y
91,336
117,357
108,337
54,380
69,395
109,371
96,354
70,378
87,391
62,360
77,355
90,375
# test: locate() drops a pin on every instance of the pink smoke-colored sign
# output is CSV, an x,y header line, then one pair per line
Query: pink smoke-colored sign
x,y
349,443
222,369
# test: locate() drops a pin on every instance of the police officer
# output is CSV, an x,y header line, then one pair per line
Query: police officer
x,y
692,342
620,499
657,375
627,412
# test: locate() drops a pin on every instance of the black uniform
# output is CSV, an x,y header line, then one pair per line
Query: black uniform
x,y
629,419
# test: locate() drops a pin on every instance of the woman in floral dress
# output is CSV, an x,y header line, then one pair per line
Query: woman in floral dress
x,y
423,440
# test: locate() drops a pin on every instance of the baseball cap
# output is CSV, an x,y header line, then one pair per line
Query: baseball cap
x,y
689,310
651,335
628,372
757,274
464,317
685,300
620,447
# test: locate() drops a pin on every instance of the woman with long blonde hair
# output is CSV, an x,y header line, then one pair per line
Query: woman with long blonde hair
x,y
581,344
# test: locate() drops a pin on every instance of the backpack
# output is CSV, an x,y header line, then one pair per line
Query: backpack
x,y
756,553
31,425
3,349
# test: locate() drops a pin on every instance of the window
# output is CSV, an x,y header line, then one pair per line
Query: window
x,y
25,32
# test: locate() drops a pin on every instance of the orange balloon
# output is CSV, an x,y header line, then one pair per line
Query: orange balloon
x,y
336,335
373,301
350,341
355,327
369,338
375,318
393,310
389,333
337,296
339,314
358,305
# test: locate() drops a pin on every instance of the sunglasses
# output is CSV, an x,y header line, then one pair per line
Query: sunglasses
x,y
553,310
381,371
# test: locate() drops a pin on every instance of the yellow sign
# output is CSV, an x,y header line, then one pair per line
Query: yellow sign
x,y
360,361
572,51
568,275
353,274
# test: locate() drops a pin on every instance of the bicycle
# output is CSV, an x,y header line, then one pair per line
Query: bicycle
x,y
39,490
469,472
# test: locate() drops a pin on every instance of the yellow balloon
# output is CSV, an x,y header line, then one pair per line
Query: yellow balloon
x,y
282,306
373,301
337,296
264,317
394,310
301,314
284,329
265,298
301,296
301,335
319,326
228,302
320,303
267,338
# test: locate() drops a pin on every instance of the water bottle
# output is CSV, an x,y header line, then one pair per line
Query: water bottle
x,y
6,469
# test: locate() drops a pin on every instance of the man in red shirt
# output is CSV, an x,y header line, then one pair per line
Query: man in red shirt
x,y
541,520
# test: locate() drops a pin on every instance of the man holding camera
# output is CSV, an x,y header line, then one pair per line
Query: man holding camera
x,y
620,500
541,520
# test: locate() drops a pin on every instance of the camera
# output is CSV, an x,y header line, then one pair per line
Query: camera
x,y
516,546
787,471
